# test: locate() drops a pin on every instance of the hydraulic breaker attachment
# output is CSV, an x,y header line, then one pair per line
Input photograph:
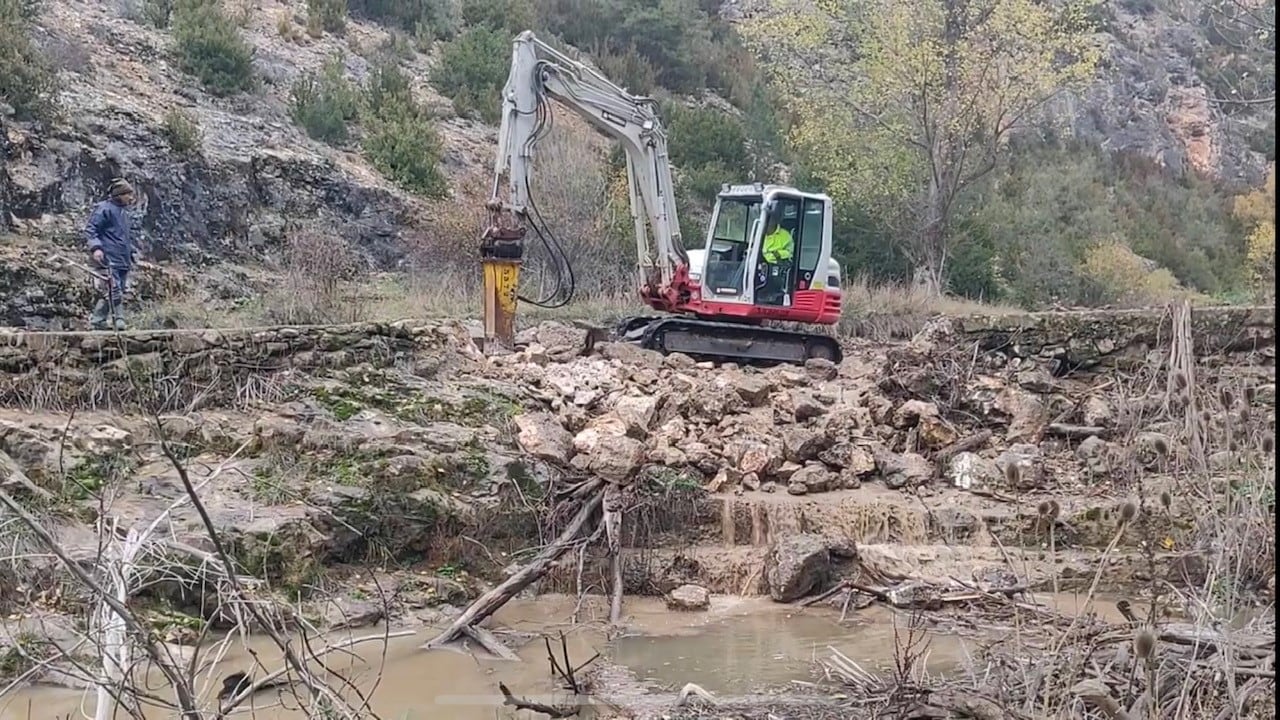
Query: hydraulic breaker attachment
x,y
500,281
501,250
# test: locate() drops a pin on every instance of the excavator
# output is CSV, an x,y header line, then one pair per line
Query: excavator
x,y
723,301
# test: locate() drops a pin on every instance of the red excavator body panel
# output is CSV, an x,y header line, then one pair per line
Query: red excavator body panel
x,y
812,307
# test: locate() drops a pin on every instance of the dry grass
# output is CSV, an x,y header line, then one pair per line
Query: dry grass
x,y
877,312
880,311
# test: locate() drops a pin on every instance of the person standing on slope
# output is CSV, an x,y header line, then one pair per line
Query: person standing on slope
x,y
111,248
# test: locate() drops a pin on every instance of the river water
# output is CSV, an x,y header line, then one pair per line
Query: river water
x,y
740,644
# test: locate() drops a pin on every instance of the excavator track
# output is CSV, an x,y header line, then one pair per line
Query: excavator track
x,y
726,341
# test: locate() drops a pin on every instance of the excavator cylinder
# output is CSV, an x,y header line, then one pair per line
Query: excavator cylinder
x,y
501,278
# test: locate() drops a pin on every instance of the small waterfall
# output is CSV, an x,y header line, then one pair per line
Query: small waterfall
x,y
727,525
759,525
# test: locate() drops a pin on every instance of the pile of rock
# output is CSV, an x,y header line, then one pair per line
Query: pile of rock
x,y
610,415
814,428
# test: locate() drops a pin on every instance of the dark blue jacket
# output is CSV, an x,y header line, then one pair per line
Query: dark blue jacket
x,y
108,229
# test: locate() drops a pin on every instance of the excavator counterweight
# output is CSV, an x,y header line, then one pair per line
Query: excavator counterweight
x,y
766,257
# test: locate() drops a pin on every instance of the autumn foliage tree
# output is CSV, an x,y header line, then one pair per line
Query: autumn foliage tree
x,y
916,100
1258,211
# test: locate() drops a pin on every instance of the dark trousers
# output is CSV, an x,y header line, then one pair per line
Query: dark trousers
x,y
109,312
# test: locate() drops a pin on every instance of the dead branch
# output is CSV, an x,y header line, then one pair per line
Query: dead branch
x,y
694,690
511,700
186,701
1075,432
490,602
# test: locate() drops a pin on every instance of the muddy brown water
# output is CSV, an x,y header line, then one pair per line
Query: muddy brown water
x,y
739,645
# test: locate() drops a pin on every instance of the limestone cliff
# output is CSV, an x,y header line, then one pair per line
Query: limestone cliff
x,y
1166,89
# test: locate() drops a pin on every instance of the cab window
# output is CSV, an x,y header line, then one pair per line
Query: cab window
x,y
811,244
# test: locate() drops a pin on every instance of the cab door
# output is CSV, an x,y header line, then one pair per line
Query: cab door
x,y
775,282
814,217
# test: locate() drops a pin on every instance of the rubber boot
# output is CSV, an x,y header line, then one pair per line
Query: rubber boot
x,y
101,314
117,313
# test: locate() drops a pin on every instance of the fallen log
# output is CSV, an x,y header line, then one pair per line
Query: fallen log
x,y
490,602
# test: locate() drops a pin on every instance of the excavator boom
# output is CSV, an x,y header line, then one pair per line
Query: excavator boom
x,y
723,323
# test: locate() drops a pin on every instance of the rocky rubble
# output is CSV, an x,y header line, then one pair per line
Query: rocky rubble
x,y
389,441
898,415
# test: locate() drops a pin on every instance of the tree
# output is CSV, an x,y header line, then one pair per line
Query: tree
x,y
1244,33
916,100
28,83
1258,210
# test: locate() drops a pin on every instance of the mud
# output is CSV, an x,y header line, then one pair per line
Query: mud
x,y
738,647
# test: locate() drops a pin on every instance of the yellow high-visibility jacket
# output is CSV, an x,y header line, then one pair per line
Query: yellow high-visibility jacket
x,y
778,246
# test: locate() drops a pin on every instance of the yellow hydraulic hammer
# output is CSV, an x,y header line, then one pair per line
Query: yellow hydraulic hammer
x,y
501,278
501,250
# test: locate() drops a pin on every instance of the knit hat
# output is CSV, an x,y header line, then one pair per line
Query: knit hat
x,y
119,186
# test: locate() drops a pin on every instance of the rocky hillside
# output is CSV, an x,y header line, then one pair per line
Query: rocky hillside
x,y
222,178
227,177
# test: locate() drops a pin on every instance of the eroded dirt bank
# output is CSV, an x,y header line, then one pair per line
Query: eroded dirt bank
x,y
391,470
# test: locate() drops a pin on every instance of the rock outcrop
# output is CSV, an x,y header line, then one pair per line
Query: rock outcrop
x,y
798,565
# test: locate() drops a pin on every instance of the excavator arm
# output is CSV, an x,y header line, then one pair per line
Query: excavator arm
x,y
539,73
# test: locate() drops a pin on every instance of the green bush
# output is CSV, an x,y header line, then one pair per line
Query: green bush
x,y
182,132
211,48
387,90
324,102
28,83
701,136
400,139
434,18
326,16
472,70
506,16
1263,140
408,151
157,13
626,68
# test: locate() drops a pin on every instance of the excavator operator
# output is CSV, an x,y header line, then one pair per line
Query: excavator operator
x,y
778,243
777,250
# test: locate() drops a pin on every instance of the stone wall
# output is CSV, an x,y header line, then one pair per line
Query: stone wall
x,y
58,370
1084,339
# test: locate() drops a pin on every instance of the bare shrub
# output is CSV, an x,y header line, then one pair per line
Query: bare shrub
x,y
317,266
67,55
570,191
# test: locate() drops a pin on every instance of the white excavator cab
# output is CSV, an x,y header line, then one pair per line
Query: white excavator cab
x,y
768,247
